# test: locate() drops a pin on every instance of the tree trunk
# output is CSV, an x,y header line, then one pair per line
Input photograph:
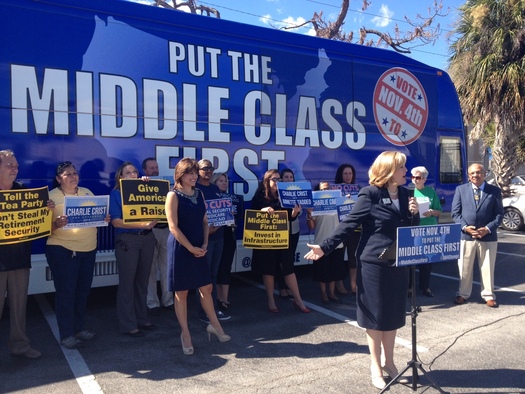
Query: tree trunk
x,y
504,155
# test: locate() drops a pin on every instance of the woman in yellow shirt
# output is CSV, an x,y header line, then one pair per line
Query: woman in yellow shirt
x,y
71,257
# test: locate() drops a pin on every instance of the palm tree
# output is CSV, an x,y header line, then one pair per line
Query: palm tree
x,y
488,68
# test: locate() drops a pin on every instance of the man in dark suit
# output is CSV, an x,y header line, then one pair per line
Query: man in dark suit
x,y
478,207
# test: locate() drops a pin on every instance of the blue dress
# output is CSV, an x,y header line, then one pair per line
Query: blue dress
x,y
185,271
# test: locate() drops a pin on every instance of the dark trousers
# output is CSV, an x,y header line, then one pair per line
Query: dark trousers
x,y
72,276
134,254
424,276
228,253
213,257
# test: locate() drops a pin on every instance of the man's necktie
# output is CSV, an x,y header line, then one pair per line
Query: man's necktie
x,y
476,195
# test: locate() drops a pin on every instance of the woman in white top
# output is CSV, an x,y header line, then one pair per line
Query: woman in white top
x,y
329,268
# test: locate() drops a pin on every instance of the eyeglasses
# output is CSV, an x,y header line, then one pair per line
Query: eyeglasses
x,y
275,179
207,169
11,166
417,178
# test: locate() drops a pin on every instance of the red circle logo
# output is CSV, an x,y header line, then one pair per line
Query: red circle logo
x,y
400,106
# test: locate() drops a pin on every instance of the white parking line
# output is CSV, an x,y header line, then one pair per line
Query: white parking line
x,y
77,364
514,234
510,290
511,254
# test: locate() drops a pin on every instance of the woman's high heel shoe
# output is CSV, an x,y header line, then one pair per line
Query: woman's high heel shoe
x,y
392,373
378,382
220,337
188,351
296,306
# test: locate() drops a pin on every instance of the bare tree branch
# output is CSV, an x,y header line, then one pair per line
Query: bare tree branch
x,y
191,5
421,32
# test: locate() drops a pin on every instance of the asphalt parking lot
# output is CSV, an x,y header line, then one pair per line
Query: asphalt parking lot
x,y
465,349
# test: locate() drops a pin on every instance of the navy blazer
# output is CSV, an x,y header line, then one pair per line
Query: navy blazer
x,y
380,218
489,212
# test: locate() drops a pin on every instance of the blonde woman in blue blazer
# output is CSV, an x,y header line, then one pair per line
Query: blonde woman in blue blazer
x,y
380,208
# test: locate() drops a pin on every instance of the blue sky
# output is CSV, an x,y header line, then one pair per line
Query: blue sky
x,y
380,15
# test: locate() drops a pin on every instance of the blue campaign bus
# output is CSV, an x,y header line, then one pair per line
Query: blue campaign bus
x,y
100,82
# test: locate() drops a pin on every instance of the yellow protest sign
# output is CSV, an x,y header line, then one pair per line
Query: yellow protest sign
x,y
24,215
144,201
265,231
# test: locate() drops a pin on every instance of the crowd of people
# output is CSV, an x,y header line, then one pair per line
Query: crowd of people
x,y
187,253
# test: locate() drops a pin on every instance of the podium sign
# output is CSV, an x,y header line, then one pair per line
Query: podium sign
x,y
428,244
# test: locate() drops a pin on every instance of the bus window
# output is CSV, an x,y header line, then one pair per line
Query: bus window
x,y
450,164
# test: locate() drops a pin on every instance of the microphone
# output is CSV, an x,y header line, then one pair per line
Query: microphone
x,y
411,188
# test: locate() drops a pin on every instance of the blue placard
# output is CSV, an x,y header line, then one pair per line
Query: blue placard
x,y
348,190
220,212
86,211
325,202
343,210
428,244
295,193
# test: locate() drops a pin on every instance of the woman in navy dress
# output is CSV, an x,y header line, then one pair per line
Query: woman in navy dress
x,y
187,243
382,287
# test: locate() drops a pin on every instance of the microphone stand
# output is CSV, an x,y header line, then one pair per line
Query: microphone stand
x,y
414,363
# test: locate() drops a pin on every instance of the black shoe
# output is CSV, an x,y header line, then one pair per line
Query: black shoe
x,y
135,334
223,316
31,354
148,327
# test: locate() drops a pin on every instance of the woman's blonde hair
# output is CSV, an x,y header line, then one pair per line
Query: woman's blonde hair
x,y
384,167
216,175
